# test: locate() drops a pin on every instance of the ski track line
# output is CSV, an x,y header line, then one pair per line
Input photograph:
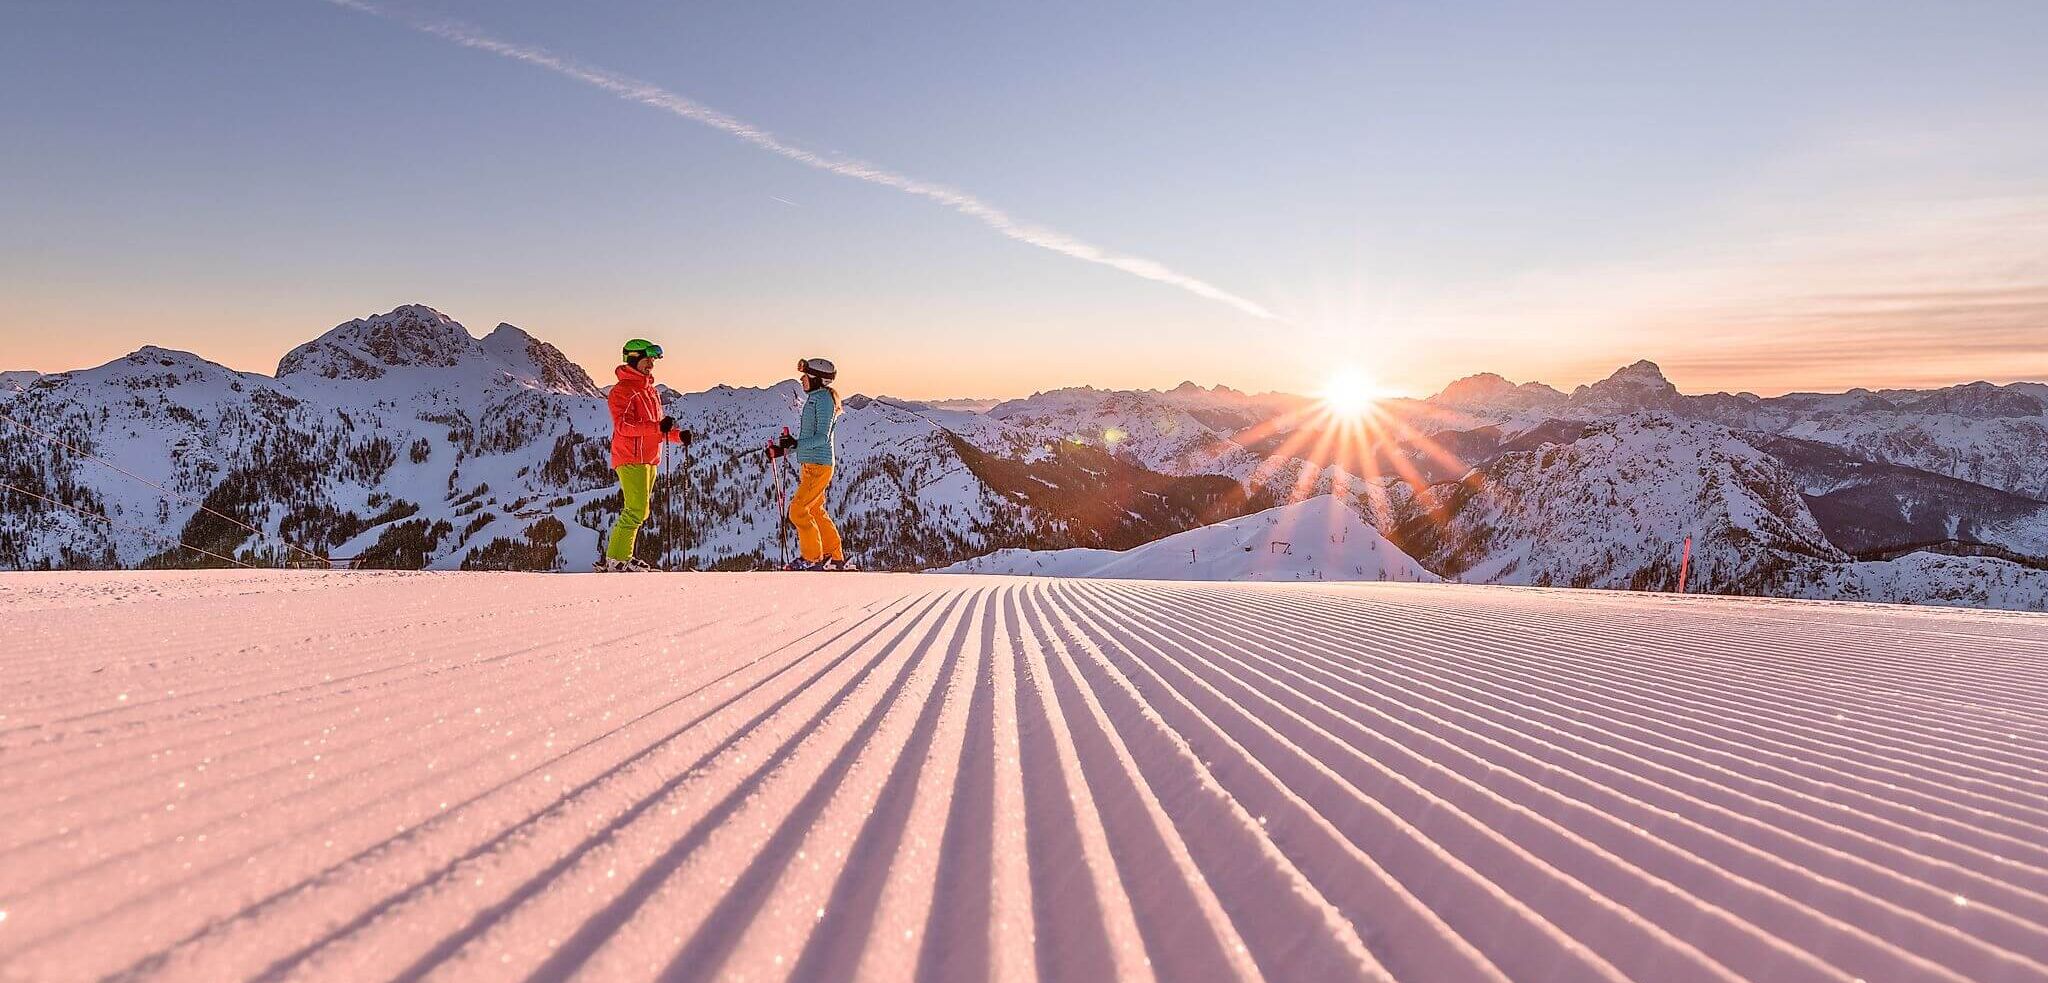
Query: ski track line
x,y
335,759
422,657
889,886
1801,660
1787,699
1262,890
191,726
794,778
789,906
1742,683
1286,750
392,853
1649,713
1549,755
344,776
402,828
1619,642
1682,910
125,841
584,838
1171,898
224,755
229,767
1939,900
1352,882
1398,810
389,617
1788,798
1753,636
402,812
1086,925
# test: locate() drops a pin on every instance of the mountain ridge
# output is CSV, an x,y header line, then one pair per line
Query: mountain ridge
x,y
403,439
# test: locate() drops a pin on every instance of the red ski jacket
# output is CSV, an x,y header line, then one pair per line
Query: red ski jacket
x,y
636,420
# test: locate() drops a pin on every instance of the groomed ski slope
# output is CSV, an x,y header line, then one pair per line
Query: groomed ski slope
x,y
279,776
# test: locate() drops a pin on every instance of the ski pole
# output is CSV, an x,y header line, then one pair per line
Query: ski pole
x,y
781,515
667,514
685,558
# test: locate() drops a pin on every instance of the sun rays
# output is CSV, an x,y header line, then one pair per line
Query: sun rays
x,y
1354,429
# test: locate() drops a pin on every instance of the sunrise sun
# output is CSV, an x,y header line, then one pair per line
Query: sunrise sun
x,y
1349,393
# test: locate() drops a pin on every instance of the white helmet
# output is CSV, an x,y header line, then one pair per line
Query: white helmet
x,y
819,368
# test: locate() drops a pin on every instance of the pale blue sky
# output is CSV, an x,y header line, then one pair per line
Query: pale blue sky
x,y
1759,195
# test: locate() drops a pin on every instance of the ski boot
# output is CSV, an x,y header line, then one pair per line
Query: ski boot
x,y
608,565
839,566
803,566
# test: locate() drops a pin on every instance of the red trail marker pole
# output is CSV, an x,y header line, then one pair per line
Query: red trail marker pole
x,y
1684,564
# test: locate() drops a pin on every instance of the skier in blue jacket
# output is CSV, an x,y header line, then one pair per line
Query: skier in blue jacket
x,y
816,536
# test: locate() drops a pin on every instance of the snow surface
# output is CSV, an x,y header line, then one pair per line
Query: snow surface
x,y
1322,538
353,776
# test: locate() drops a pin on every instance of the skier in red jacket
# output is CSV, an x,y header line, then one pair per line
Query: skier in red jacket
x,y
638,431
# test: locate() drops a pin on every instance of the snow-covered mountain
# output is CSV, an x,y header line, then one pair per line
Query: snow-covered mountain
x,y
1488,391
1181,430
1979,432
1259,440
1322,538
403,440
1614,507
1870,508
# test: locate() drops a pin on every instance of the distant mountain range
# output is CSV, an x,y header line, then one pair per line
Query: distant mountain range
x,y
402,440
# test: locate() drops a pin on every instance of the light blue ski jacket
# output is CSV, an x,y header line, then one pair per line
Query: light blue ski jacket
x,y
814,431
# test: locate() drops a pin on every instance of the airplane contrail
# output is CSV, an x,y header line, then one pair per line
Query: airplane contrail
x,y
648,94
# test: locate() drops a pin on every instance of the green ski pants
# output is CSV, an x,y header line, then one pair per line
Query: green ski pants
x,y
636,481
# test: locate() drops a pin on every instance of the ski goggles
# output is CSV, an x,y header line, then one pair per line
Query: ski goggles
x,y
648,351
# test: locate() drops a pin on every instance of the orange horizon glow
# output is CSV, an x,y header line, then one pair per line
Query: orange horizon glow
x,y
51,339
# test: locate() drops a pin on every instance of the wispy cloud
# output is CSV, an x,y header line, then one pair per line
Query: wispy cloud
x,y
654,96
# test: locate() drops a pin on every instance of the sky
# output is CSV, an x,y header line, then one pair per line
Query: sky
x,y
993,199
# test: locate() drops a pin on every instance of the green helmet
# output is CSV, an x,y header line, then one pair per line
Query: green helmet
x,y
642,348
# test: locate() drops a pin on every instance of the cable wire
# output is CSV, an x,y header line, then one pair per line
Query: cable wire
x,y
116,522
60,442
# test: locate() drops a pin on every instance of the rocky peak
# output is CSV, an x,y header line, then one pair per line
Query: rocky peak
x,y
1473,389
1640,372
1488,390
1633,387
538,363
410,336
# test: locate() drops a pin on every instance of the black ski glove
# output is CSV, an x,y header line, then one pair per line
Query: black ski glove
x,y
786,442
683,437
668,423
